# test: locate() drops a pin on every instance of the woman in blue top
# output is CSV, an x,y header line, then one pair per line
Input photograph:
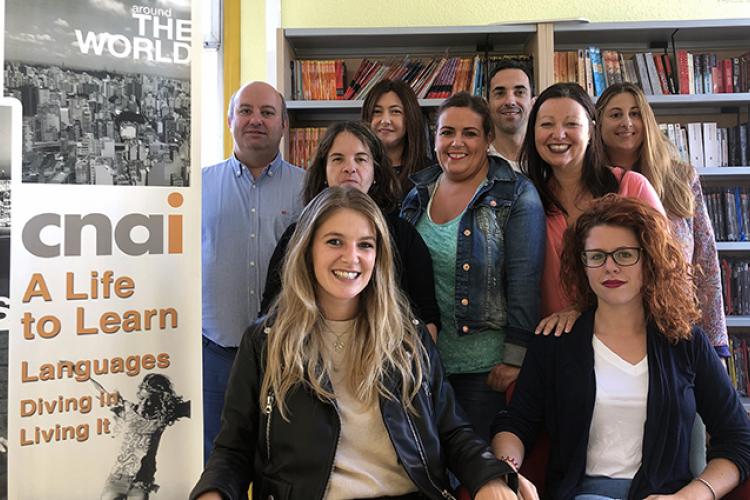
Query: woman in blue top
x,y
484,226
619,394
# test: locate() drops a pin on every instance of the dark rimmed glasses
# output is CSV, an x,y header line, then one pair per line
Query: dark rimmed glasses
x,y
623,256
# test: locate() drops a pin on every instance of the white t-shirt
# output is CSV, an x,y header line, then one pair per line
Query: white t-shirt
x,y
616,433
493,152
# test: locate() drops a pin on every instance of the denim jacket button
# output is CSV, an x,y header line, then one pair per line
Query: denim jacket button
x,y
465,329
464,302
467,232
466,267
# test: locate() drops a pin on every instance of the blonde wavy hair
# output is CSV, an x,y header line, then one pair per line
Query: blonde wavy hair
x,y
658,159
385,340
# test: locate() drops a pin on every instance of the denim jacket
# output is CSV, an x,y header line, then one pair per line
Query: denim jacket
x,y
499,256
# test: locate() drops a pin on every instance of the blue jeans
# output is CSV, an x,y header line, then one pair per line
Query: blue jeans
x,y
478,400
603,488
217,363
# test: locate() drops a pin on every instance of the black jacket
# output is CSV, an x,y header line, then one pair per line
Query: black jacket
x,y
413,269
557,388
293,460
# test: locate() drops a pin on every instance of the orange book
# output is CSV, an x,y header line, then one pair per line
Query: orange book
x,y
306,83
571,59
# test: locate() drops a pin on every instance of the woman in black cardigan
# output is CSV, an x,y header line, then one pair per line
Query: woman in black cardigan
x,y
351,155
619,394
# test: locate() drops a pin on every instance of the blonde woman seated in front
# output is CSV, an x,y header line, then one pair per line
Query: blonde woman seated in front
x,y
619,394
339,392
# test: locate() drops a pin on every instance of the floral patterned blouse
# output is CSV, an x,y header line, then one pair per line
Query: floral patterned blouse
x,y
696,236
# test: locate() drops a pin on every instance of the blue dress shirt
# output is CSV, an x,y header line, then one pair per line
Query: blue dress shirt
x,y
242,220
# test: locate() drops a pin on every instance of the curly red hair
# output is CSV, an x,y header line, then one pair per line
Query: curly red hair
x,y
668,287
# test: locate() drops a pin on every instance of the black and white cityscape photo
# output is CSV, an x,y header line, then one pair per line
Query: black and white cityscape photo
x,y
105,93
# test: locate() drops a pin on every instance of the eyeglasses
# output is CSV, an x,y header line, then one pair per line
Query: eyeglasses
x,y
623,256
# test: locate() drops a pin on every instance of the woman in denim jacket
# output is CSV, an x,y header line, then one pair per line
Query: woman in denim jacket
x,y
484,226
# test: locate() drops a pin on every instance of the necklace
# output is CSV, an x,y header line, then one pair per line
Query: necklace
x,y
339,343
338,331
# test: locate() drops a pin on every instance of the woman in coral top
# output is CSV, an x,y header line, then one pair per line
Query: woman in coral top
x,y
569,170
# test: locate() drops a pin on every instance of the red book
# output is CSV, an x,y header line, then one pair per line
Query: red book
x,y
356,83
726,65
670,73
717,79
683,77
662,75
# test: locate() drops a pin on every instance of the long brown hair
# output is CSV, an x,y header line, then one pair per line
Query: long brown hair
x,y
595,176
414,158
658,159
668,287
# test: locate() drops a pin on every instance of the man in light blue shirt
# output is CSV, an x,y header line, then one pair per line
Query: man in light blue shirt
x,y
248,201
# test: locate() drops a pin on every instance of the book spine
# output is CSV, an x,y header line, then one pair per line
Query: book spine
x,y
597,70
640,62
698,73
662,74
706,73
653,74
609,68
695,144
581,68
589,72
736,75
745,72
691,74
671,84
571,63
726,65
682,72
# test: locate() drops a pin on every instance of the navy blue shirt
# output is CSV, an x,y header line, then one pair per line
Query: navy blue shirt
x,y
557,387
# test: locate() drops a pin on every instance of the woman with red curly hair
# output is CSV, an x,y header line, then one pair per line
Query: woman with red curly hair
x,y
619,395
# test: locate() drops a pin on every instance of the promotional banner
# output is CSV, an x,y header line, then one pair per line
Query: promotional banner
x,y
104,345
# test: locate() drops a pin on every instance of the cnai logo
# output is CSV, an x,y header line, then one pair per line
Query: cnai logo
x,y
71,226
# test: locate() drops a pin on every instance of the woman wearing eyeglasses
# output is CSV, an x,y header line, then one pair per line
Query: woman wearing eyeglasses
x,y
619,394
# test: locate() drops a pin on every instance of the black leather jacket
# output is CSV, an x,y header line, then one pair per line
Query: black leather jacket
x,y
293,460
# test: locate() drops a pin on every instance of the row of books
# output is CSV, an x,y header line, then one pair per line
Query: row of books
x,y
729,211
735,281
739,365
705,144
657,74
318,79
430,78
303,142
